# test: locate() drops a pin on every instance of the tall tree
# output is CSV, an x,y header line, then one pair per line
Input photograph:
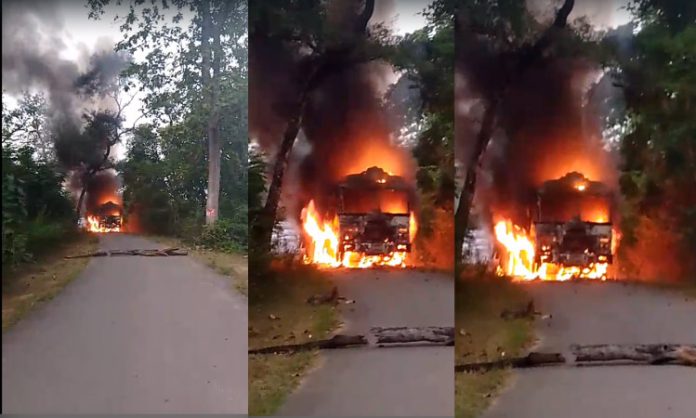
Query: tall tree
x,y
654,67
499,33
300,26
193,50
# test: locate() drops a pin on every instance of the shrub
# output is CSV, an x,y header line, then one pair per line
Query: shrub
x,y
225,235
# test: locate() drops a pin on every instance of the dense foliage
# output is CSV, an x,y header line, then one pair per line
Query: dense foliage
x,y
37,212
655,69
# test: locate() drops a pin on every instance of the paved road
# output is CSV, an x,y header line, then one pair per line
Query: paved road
x,y
399,381
131,335
596,313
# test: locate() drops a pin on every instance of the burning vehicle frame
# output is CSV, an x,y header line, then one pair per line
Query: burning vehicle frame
x,y
373,222
107,217
571,233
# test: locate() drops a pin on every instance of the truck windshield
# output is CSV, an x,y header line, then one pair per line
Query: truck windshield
x,y
564,207
369,200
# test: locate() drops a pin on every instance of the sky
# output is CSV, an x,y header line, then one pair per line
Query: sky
x,y
80,36
67,20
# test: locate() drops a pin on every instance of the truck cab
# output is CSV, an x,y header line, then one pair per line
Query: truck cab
x,y
572,224
374,210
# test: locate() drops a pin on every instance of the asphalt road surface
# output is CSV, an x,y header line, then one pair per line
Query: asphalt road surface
x,y
605,313
397,381
131,335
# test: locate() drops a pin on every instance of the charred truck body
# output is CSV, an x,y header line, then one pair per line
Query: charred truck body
x,y
572,225
374,210
109,216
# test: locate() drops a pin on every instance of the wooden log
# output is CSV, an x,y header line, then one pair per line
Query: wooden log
x,y
331,297
684,354
337,341
532,359
140,252
94,254
403,335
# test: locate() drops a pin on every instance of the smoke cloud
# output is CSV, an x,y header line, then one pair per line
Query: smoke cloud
x,y
82,122
546,127
346,126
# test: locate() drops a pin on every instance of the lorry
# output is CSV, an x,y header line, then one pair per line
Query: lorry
x,y
374,213
109,216
572,222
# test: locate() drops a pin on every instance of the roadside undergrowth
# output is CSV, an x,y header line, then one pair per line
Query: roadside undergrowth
x,y
279,314
482,335
28,285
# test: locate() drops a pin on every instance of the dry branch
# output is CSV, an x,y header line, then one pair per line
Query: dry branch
x,y
402,335
331,297
528,312
146,253
532,359
337,341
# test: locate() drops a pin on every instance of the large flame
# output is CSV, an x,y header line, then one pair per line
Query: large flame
x,y
94,219
519,259
323,245
93,225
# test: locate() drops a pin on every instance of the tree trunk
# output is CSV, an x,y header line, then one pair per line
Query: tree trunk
x,y
208,31
461,216
403,335
684,354
324,66
337,341
268,214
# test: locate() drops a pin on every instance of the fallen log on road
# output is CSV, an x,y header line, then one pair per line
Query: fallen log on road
x,y
403,335
337,341
384,336
598,354
532,359
684,354
146,253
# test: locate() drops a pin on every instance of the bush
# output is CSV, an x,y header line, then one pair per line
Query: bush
x,y
225,235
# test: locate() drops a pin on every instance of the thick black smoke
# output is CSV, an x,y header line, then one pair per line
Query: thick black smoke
x,y
346,125
545,126
82,125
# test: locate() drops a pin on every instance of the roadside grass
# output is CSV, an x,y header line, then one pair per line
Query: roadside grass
x,y
231,265
482,335
282,294
28,285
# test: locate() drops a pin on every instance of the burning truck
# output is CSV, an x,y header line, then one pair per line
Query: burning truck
x,y
105,218
373,222
571,233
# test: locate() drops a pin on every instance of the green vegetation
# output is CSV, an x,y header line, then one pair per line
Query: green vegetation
x,y
482,335
36,210
195,101
427,57
34,283
654,67
279,314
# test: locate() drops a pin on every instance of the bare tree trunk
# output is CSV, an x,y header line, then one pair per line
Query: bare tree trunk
x,y
208,31
461,216
270,209
329,62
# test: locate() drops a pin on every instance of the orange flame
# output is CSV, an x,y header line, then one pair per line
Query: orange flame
x,y
323,245
93,225
520,265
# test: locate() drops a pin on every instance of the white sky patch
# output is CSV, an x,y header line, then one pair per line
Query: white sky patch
x,y
79,37
409,15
